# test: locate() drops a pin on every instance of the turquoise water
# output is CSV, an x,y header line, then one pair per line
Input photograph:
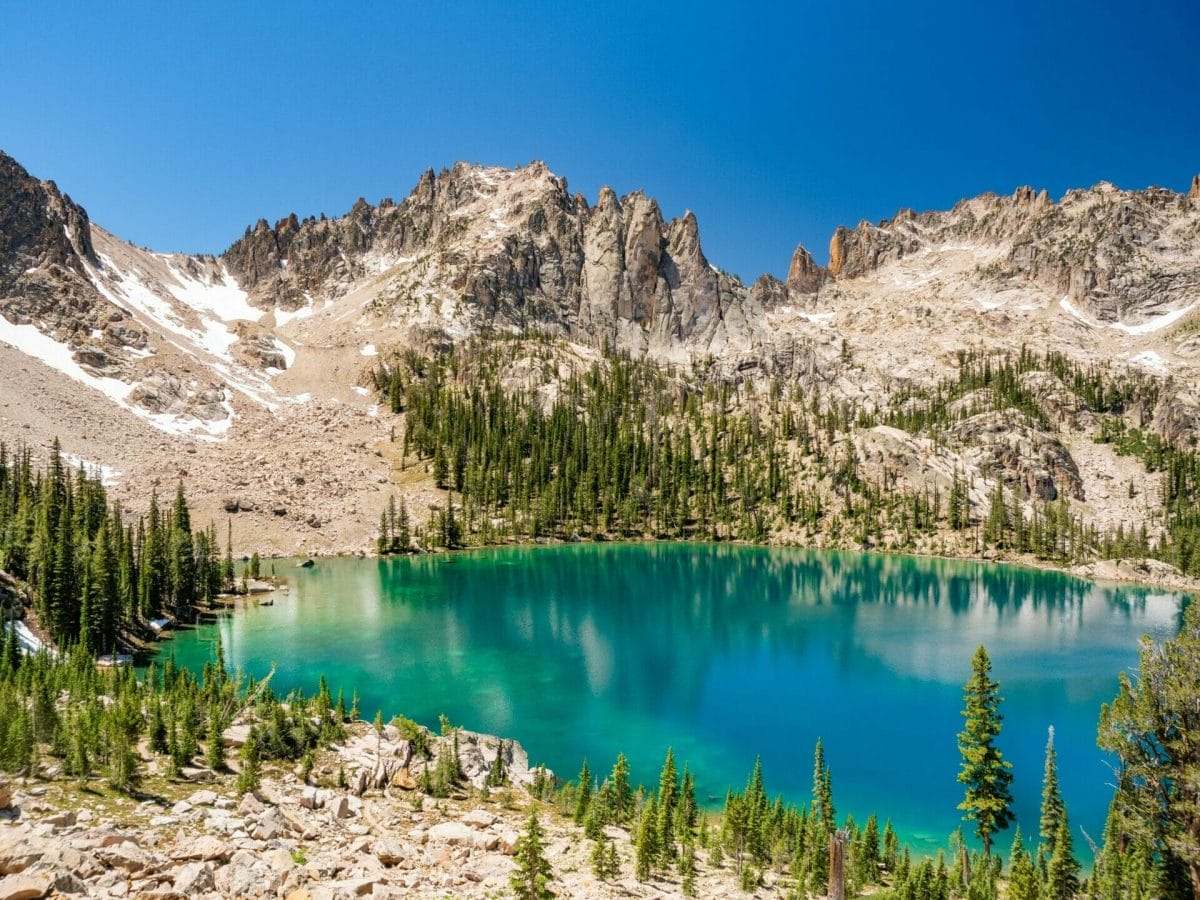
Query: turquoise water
x,y
724,653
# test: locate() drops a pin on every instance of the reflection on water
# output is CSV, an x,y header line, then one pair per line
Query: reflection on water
x,y
725,653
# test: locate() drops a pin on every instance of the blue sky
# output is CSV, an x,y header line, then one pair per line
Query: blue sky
x,y
176,125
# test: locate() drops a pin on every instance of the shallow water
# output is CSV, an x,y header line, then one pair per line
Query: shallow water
x,y
724,653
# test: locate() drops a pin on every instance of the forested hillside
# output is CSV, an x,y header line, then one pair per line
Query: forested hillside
x,y
531,441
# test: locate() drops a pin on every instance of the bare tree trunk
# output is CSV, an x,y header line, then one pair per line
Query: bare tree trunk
x,y
966,863
837,866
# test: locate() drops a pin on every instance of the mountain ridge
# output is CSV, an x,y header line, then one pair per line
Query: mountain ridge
x,y
226,363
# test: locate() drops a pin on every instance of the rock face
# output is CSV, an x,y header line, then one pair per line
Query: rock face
x,y
516,249
1118,256
45,242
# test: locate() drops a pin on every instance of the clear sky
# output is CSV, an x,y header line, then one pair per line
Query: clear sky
x,y
178,124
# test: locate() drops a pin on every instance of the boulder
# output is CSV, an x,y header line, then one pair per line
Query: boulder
x,y
63,819
339,808
508,838
389,852
194,878
279,860
453,833
308,798
17,854
25,886
128,856
203,798
205,847
236,735
485,840
479,818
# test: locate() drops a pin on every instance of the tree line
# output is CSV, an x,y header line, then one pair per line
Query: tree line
x,y
623,448
90,722
94,571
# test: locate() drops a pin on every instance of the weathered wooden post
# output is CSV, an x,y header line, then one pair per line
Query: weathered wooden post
x,y
837,865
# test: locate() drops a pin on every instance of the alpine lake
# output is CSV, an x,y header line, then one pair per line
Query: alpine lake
x,y
724,653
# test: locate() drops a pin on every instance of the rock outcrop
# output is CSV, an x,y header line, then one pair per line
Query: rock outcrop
x,y
511,249
1118,256
45,246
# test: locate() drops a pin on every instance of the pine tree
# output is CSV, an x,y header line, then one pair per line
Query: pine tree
x,y
1062,876
1023,881
531,876
1151,726
215,746
622,793
583,796
1053,810
668,799
869,848
248,778
602,858
158,731
985,772
687,867
822,792
646,850
891,847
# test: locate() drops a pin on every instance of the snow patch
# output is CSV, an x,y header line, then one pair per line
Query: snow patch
x,y
1157,323
369,350
289,355
222,298
283,316
818,318
107,474
29,642
1074,311
58,356
361,391
1151,360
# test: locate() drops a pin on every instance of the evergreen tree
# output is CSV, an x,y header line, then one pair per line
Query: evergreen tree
x,y
215,746
1054,811
583,796
869,848
1023,881
985,772
531,876
622,792
687,867
1062,877
249,776
1151,726
668,799
646,846
891,847
603,858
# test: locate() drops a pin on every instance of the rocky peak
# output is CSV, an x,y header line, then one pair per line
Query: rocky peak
x,y
1118,256
39,225
1194,193
45,250
804,275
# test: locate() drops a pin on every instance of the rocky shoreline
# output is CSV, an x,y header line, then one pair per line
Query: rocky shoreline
x,y
378,835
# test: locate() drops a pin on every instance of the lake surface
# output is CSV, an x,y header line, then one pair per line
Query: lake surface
x,y
724,653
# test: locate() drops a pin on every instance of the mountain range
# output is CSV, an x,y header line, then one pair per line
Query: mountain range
x,y
251,372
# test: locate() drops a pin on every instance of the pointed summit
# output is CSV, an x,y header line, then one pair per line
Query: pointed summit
x,y
804,275
1194,193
